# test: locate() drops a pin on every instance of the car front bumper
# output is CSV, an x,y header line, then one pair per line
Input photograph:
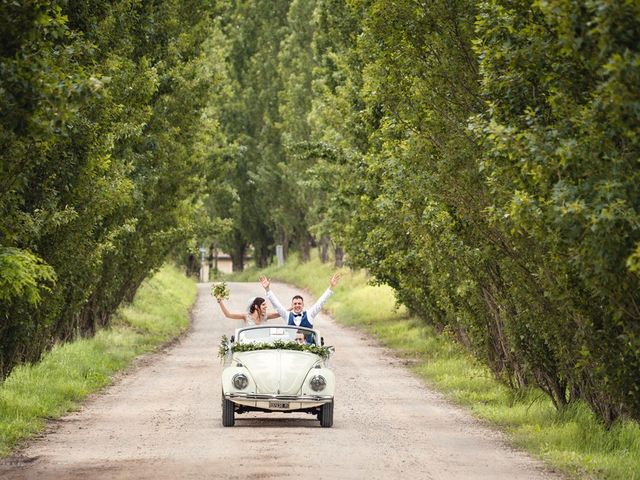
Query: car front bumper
x,y
278,402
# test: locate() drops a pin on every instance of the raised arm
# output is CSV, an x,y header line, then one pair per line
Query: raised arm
x,y
228,314
316,307
282,312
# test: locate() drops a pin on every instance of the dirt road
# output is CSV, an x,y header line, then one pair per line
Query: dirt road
x,y
162,420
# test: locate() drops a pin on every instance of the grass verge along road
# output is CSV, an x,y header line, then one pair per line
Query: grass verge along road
x,y
33,394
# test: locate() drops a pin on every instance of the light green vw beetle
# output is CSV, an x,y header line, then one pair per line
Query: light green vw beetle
x,y
277,369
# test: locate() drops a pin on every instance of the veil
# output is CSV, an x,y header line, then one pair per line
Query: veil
x,y
248,309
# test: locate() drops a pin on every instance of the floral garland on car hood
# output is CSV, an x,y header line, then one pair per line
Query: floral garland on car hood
x,y
323,352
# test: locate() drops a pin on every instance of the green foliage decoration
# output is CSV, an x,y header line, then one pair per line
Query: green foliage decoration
x,y
226,348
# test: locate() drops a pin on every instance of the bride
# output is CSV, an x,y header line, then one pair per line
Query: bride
x,y
255,315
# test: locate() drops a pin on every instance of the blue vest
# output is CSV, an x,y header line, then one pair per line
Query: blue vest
x,y
304,321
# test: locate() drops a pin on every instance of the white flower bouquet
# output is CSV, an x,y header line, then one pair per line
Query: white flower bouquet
x,y
220,291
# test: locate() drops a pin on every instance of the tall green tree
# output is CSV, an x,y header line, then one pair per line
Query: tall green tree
x,y
251,124
101,162
331,154
561,129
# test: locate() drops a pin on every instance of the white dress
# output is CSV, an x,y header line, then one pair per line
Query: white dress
x,y
249,320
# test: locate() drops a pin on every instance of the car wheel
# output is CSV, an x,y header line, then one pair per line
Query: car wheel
x,y
228,413
326,415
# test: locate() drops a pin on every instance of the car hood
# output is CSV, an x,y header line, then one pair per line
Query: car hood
x,y
279,372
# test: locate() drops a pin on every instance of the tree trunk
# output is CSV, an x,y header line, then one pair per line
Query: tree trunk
x,y
501,359
261,255
192,267
305,248
324,249
339,257
285,245
237,257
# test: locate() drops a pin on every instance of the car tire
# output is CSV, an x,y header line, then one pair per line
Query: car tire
x,y
326,415
228,413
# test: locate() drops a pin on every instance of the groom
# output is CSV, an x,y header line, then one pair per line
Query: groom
x,y
298,316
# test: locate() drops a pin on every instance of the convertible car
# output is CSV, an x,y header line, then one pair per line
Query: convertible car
x,y
277,369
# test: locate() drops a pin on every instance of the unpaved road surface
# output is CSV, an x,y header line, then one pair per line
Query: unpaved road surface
x,y
162,420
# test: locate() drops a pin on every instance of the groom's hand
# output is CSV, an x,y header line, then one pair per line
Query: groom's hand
x,y
265,283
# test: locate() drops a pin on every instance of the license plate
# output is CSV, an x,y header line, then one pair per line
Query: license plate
x,y
278,404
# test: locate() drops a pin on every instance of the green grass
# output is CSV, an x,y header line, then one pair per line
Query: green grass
x,y
69,372
572,441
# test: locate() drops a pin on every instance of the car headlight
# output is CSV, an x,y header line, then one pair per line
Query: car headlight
x,y
318,383
240,381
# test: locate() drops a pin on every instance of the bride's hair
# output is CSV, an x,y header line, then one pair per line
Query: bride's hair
x,y
255,304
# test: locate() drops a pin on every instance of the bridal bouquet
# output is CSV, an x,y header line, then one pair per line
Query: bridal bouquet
x,y
220,291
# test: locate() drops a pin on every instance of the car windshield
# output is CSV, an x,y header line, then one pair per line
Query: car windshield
x,y
273,334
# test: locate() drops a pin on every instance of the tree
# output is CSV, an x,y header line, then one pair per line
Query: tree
x,y
561,134
100,165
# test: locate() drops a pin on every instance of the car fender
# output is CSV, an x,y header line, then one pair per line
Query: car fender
x,y
328,375
227,379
